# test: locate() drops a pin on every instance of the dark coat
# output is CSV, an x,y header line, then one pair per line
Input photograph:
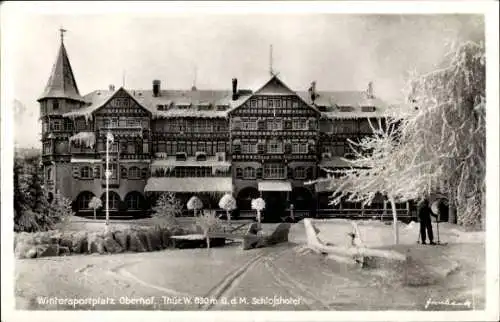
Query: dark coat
x,y
424,211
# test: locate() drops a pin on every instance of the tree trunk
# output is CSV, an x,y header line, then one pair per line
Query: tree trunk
x,y
94,214
452,214
228,213
208,241
394,220
258,218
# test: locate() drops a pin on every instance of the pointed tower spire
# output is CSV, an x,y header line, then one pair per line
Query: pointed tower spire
x,y
62,83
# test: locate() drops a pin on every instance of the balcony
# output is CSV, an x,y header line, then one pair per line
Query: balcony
x,y
135,156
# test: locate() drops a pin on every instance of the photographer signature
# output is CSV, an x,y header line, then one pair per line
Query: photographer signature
x,y
447,302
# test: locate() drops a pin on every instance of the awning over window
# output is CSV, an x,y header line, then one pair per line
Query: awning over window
x,y
275,186
206,184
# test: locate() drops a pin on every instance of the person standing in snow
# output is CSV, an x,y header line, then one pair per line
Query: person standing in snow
x,y
424,214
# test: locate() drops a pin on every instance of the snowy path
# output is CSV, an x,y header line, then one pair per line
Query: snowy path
x,y
201,279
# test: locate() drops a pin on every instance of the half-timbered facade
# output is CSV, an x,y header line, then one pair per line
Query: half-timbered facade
x,y
264,142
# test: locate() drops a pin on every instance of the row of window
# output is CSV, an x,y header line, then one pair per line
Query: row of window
x,y
274,171
57,125
86,172
190,147
191,125
273,124
132,200
272,146
122,122
282,102
189,172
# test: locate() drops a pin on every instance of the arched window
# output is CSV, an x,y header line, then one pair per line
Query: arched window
x,y
134,173
239,173
83,200
249,173
85,172
133,200
114,200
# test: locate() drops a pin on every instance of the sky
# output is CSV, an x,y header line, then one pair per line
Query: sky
x,y
338,51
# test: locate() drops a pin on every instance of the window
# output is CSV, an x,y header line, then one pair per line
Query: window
x,y
237,146
288,124
270,103
49,174
253,103
236,124
249,148
46,148
249,125
277,103
274,171
85,173
299,148
180,156
134,173
239,173
133,201
274,124
68,125
84,200
56,125
55,105
201,147
295,103
299,124
275,146
123,173
221,147
181,147
97,171
133,123
249,173
114,200
300,173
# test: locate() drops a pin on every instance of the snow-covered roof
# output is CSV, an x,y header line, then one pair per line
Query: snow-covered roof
x,y
219,103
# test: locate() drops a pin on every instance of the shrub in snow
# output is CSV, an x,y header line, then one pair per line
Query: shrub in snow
x,y
95,203
167,208
228,203
208,222
194,203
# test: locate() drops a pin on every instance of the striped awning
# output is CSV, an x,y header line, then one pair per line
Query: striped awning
x,y
198,184
275,186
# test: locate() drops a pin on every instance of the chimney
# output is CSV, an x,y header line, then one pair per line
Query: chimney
x,y
156,88
312,91
369,91
235,89
111,88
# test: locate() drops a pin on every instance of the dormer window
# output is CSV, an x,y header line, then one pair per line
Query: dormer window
x,y
161,107
201,156
345,108
221,108
55,105
368,108
181,156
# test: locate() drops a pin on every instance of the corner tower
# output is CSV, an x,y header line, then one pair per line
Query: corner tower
x,y
60,96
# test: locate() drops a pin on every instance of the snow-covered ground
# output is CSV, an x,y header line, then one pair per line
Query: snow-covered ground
x,y
284,277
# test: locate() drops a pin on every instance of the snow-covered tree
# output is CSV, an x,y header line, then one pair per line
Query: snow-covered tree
x,y
95,203
228,203
258,204
436,147
444,140
371,170
195,204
